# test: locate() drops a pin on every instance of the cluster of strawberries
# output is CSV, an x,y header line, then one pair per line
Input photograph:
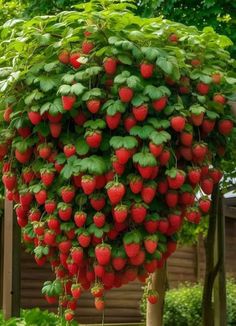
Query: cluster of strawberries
x,y
103,192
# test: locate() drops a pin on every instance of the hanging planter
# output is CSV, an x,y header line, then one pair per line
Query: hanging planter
x,y
112,127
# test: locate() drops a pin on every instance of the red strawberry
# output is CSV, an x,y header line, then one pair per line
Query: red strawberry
x,y
194,175
49,237
208,125
207,185
35,117
199,151
93,138
145,171
23,157
155,149
136,184
225,126
146,70
64,211
175,219
132,249
80,218
160,103
173,38
53,223
115,192
44,150
129,122
3,149
7,114
148,192
34,214
150,243
69,150
84,239
26,198
77,255
186,138
76,291
118,168
120,213
140,112
113,121
197,119
87,47
68,101
67,194
110,65
103,254
215,174
219,98
186,153
204,204
24,131
97,290
178,123
88,184
195,62
163,225
176,178
216,78
151,223
64,57
164,157
47,177
9,180
41,196
152,296
171,198
97,202
55,129
99,219
74,60
99,304
203,88
186,198
138,212
123,155
126,94
93,105
69,314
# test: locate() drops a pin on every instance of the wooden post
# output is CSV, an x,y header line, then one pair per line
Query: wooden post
x,y
11,263
155,311
220,311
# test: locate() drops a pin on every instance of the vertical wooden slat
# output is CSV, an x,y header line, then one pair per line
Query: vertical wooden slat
x,y
16,267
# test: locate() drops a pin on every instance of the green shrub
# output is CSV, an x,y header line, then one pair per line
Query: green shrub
x,y
183,305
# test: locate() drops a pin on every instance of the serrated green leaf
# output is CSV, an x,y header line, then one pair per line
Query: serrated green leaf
x,y
82,147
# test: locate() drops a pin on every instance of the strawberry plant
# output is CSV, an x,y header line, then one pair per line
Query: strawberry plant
x,y
109,136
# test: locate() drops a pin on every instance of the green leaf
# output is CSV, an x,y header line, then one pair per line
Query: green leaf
x,y
50,66
159,137
197,109
82,147
64,90
142,132
47,83
125,59
34,95
144,159
95,124
77,89
153,92
165,65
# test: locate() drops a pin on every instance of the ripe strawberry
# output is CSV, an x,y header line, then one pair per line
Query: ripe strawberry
x,y
126,94
140,112
97,202
136,184
171,198
146,70
69,150
35,117
207,185
195,62
138,212
7,114
150,243
47,177
3,149
74,60
197,119
173,38
199,151
160,103
9,180
67,194
69,314
176,178
175,219
204,204
27,175
164,157
113,121
152,296
216,78
55,129
151,223
53,223
208,125
103,254
115,192
145,171
123,155
178,123
24,132
49,237
215,174
120,213
76,291
186,153
194,175
93,105
25,198
219,98
34,214
186,198
80,218
118,168
186,138
97,290
203,88
87,47
93,138
41,196
23,157
77,254
99,219
155,149
68,101
129,122
64,211
44,150
88,184
225,126
132,249
99,304
64,57
163,225
148,192
110,65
